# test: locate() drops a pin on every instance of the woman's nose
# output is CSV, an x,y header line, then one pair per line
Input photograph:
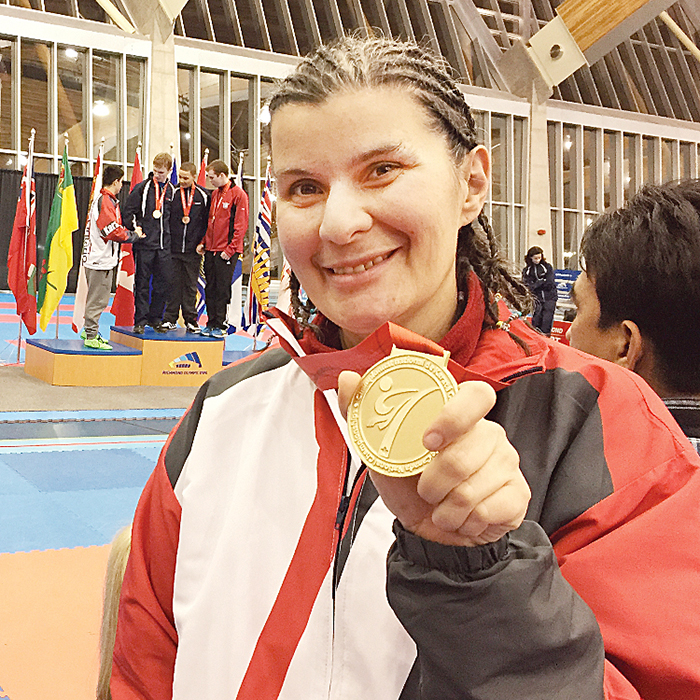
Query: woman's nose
x,y
344,214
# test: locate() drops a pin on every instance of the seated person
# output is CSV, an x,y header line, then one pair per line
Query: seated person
x,y
636,298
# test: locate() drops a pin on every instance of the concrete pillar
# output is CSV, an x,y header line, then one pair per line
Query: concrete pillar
x,y
538,206
163,119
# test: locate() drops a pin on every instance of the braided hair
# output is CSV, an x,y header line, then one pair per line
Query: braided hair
x,y
355,63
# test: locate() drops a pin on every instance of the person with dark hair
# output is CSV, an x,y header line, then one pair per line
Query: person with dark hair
x,y
542,551
148,207
637,294
222,244
106,232
188,224
538,277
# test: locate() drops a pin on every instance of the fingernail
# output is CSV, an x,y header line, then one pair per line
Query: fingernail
x,y
432,441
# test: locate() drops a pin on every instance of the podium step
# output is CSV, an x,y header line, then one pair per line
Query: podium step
x,y
70,363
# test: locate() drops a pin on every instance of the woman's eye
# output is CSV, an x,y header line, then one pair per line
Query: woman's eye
x,y
304,189
384,169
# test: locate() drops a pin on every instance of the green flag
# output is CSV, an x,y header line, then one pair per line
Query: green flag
x,y
58,250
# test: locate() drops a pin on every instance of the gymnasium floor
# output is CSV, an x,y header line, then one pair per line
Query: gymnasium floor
x,y
69,480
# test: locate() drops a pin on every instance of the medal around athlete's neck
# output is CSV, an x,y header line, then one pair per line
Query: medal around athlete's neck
x,y
396,401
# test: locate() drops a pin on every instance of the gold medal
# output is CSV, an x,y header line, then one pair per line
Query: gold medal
x,y
394,404
157,213
185,219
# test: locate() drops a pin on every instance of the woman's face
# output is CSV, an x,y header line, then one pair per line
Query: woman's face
x,y
369,206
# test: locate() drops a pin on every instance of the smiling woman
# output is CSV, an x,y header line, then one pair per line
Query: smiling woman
x,y
369,223
262,573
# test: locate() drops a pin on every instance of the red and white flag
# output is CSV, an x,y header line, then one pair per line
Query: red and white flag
x,y
21,258
123,302
81,287
202,175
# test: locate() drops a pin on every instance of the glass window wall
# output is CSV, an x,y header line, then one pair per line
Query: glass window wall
x,y
612,166
73,91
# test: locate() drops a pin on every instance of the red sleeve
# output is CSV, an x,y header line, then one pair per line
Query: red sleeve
x,y
240,221
109,222
146,641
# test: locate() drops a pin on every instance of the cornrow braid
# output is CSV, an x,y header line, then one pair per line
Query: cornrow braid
x,y
355,63
303,310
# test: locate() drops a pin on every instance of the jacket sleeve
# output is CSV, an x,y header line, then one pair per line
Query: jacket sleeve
x,y
109,225
546,282
238,223
206,205
146,640
131,213
495,622
609,611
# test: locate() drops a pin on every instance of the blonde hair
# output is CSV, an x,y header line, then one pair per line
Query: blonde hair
x,y
163,160
116,565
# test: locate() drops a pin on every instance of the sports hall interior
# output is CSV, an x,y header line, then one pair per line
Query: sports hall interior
x,y
580,103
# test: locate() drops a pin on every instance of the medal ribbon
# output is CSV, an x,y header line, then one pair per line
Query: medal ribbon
x,y
160,194
219,194
190,198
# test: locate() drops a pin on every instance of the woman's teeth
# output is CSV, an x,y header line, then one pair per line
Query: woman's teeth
x,y
359,268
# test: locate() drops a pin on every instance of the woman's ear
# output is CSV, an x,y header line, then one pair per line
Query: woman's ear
x,y
476,171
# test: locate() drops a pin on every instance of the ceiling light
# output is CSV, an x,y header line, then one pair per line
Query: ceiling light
x,y
100,109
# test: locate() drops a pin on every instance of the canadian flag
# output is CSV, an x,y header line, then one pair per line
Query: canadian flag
x,y
123,302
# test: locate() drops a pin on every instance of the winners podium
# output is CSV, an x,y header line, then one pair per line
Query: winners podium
x,y
175,358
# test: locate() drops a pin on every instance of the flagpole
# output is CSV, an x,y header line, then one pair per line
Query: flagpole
x,y
58,306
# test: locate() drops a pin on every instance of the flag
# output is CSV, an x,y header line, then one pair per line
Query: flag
x,y
201,282
257,299
173,173
21,259
58,250
234,310
201,289
82,286
136,173
123,302
202,176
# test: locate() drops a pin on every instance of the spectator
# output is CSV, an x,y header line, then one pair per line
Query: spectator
x,y
538,277
638,293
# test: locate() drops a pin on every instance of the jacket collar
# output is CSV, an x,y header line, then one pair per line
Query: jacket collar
x,y
489,355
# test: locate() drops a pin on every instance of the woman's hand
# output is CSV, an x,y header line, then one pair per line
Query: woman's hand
x,y
473,491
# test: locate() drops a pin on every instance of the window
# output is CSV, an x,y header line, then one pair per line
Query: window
x,y
72,97
106,124
34,86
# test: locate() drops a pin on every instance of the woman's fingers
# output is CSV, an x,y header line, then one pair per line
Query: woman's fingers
x,y
347,384
460,414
